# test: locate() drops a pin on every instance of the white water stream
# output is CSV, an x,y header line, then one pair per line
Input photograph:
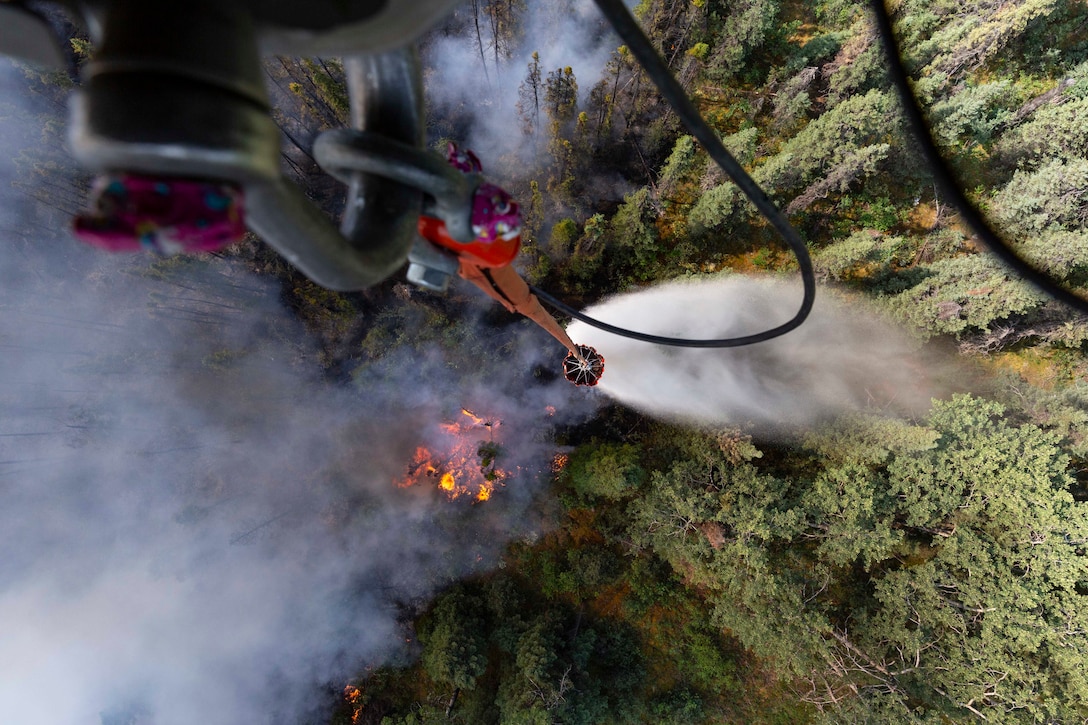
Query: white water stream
x,y
843,358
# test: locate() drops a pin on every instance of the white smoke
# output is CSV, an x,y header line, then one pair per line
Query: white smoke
x,y
462,84
843,358
195,526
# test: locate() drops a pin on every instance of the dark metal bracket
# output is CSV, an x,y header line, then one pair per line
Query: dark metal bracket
x,y
177,89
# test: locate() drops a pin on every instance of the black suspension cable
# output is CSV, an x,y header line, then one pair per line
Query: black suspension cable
x,y
947,180
671,90
673,341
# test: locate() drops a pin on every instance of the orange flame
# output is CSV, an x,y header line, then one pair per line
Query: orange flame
x,y
353,695
460,464
421,465
448,483
475,418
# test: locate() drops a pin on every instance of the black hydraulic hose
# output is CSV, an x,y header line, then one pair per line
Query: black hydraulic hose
x,y
947,181
643,50
673,341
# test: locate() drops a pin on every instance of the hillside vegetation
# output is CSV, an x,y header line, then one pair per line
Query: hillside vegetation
x,y
875,570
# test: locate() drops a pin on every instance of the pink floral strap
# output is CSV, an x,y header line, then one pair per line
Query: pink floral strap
x,y
168,215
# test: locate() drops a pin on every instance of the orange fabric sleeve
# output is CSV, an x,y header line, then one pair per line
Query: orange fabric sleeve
x,y
507,287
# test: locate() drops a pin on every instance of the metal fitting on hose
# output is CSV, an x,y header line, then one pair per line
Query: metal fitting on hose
x,y
429,267
176,92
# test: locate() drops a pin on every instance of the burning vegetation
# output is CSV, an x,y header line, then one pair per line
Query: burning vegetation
x,y
353,698
459,461
559,462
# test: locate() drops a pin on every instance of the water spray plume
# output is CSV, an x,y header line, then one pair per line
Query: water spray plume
x,y
841,360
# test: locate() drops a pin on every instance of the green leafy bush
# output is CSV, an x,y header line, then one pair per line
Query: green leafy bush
x,y
606,470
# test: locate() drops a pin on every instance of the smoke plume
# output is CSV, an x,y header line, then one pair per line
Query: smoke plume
x,y
196,526
481,95
843,358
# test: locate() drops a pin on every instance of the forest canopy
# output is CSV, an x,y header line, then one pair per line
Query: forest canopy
x,y
874,568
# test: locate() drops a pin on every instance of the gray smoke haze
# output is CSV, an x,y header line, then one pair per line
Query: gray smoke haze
x,y
843,358
195,527
564,33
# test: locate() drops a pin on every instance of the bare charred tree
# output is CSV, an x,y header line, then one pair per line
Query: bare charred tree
x,y
529,93
480,39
